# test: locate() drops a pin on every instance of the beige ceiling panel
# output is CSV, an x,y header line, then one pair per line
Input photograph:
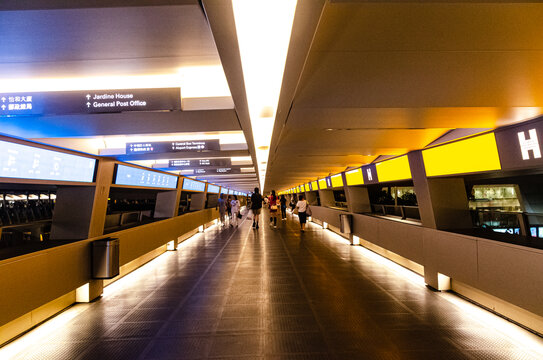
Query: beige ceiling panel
x,y
414,118
351,142
430,26
105,41
422,79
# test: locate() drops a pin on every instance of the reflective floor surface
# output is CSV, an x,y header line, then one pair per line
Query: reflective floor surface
x,y
274,294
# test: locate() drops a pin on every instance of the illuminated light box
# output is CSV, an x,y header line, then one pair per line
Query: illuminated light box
x,y
28,162
306,186
337,180
394,169
224,191
193,185
314,186
214,189
322,184
131,176
475,154
354,177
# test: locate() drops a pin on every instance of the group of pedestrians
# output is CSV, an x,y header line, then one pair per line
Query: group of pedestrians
x,y
229,206
274,204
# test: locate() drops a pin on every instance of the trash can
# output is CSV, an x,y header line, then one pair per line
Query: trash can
x,y
105,258
346,222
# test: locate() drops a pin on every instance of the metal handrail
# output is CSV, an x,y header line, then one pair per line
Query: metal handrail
x,y
522,218
401,207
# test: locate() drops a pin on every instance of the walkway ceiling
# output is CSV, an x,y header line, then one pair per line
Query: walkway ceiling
x,y
86,39
362,78
370,78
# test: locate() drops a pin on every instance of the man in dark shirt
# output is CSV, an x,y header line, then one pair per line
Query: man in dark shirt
x,y
256,207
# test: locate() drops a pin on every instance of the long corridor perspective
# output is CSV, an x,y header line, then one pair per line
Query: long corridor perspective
x,y
274,294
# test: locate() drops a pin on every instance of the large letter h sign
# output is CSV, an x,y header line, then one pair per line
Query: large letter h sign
x,y
529,144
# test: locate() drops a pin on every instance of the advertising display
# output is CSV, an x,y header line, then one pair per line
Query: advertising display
x,y
132,176
88,102
28,162
193,185
214,189
172,146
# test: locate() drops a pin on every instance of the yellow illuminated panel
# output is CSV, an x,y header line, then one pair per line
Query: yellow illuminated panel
x,y
337,180
354,177
306,187
471,155
322,184
395,169
314,185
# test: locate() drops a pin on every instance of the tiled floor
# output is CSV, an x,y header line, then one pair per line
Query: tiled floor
x,y
272,294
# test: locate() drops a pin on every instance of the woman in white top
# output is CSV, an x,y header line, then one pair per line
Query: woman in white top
x,y
234,208
301,205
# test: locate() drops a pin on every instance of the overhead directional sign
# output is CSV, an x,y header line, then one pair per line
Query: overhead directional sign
x,y
89,102
173,146
190,164
218,171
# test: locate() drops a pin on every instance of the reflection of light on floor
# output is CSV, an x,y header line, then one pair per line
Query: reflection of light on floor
x,y
41,332
61,320
400,270
529,341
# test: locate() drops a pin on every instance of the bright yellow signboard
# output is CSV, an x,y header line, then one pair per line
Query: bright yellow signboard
x,y
337,180
322,184
394,169
306,187
354,177
475,154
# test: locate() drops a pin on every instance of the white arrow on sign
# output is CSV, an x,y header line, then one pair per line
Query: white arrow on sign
x,y
3,99
3,107
88,97
88,104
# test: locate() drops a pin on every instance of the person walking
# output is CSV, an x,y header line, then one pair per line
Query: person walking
x,y
234,208
293,201
283,202
222,209
273,207
302,205
256,207
229,209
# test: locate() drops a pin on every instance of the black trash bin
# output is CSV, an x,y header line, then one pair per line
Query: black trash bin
x,y
105,258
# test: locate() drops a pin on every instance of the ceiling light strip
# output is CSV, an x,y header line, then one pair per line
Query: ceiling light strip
x,y
263,28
